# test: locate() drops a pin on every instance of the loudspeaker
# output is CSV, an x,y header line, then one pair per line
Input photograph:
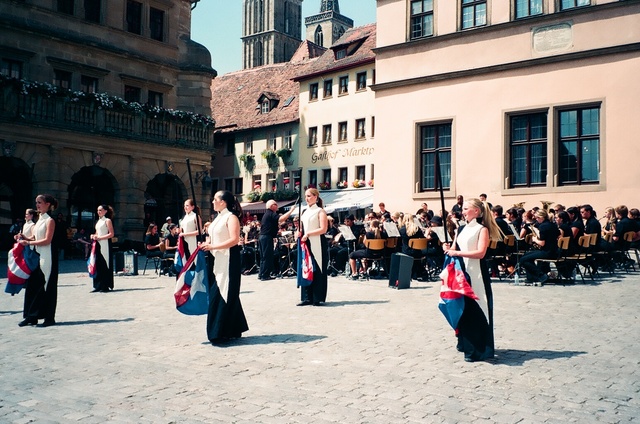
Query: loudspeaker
x,y
126,263
400,272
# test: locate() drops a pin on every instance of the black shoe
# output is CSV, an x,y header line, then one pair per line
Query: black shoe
x,y
28,321
316,304
47,323
304,303
95,291
267,278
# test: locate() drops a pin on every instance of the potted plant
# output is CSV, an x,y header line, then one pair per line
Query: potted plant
x,y
359,183
284,153
271,158
342,184
324,185
371,182
253,196
248,160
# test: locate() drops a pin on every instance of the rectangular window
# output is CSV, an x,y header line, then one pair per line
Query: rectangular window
x,y
570,4
134,17
360,129
132,94
230,147
65,6
228,184
286,181
528,150
313,136
248,147
257,183
360,170
11,68
92,10
579,145
271,143
342,128
264,106
62,79
313,91
326,176
326,134
435,142
88,84
156,24
343,174
238,186
313,179
328,88
361,81
421,23
287,140
155,99
526,8
344,85
272,183
297,179
474,13
341,54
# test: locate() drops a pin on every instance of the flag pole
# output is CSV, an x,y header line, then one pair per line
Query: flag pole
x,y
193,196
441,189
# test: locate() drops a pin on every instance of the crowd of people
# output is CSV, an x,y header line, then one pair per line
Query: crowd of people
x,y
473,231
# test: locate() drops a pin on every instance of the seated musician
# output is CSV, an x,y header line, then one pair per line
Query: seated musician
x,y
546,242
375,232
338,255
249,252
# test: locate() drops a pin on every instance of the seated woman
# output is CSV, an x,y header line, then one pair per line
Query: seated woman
x,y
375,232
152,242
434,252
547,248
408,231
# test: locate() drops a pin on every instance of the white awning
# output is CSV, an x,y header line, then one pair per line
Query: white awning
x,y
261,207
344,200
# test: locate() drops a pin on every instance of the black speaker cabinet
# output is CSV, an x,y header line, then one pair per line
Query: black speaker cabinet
x,y
400,272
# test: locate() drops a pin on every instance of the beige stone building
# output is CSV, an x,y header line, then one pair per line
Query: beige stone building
x,y
525,100
102,102
338,138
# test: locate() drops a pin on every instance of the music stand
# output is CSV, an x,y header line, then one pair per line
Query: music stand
x,y
331,269
391,228
256,263
285,241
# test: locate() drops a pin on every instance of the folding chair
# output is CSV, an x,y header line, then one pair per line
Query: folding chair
x,y
375,253
419,244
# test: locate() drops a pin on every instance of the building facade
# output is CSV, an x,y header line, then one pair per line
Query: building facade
x,y
270,31
256,112
337,120
326,27
102,102
525,100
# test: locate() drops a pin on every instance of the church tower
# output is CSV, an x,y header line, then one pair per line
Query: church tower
x,y
270,31
326,27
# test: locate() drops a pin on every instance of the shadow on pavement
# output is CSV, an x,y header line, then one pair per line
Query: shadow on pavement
x,y
269,339
352,302
91,321
519,357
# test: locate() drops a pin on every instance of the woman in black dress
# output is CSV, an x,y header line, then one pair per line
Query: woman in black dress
x,y
41,295
225,319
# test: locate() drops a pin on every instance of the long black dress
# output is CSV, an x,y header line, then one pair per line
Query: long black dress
x,y
475,328
315,293
225,318
41,294
103,281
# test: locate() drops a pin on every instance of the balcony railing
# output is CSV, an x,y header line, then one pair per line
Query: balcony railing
x,y
18,106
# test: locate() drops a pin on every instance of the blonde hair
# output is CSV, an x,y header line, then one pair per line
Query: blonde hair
x,y
487,219
409,222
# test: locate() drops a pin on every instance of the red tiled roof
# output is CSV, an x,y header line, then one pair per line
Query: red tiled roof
x,y
234,100
363,38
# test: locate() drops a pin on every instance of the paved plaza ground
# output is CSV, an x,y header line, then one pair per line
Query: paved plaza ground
x,y
371,355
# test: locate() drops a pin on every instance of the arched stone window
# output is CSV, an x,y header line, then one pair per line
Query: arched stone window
x,y
318,36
